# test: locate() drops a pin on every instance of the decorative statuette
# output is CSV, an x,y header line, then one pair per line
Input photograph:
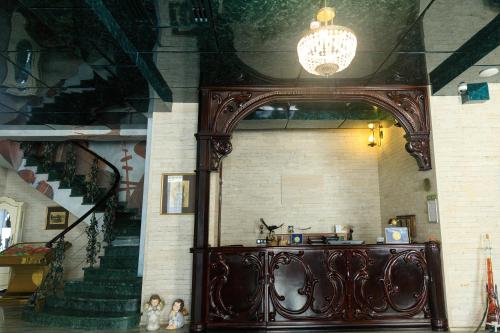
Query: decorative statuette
x,y
176,315
153,309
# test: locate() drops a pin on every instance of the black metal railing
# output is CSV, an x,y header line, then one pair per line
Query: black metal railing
x,y
100,202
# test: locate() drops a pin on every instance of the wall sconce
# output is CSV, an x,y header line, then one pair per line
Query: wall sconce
x,y
372,138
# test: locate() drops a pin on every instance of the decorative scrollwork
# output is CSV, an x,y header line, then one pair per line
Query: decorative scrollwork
x,y
307,290
217,307
412,102
221,147
226,108
338,284
418,147
255,301
366,309
219,276
410,257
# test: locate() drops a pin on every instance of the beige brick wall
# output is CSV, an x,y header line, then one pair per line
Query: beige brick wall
x,y
35,210
402,185
167,260
467,160
307,178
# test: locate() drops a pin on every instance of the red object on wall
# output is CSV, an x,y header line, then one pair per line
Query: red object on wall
x,y
493,317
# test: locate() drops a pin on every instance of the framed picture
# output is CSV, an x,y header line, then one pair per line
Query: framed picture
x,y
57,218
396,235
177,193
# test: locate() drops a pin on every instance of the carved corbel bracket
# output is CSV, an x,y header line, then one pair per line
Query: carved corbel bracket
x,y
220,147
418,146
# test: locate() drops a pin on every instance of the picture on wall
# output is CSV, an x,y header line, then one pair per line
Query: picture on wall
x,y
178,192
57,218
397,235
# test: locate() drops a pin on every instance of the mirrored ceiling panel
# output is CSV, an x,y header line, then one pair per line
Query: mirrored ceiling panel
x,y
315,114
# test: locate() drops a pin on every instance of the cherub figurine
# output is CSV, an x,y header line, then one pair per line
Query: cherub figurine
x,y
153,309
176,315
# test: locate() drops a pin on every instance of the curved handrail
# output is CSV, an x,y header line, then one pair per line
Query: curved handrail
x,y
98,204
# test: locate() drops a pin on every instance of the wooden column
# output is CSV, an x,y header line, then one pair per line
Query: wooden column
x,y
439,321
201,222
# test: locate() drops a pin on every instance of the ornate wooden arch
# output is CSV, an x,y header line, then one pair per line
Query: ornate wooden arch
x,y
221,109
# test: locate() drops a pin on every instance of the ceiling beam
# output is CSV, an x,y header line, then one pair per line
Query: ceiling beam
x,y
146,66
478,46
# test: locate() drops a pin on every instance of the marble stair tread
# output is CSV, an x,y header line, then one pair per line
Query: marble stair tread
x,y
119,262
126,241
82,303
83,320
106,289
107,274
121,251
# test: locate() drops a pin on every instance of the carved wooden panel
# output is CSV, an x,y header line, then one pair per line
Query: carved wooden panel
x,y
321,285
236,287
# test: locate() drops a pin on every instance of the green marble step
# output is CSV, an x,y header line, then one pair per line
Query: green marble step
x,y
32,161
89,304
82,320
103,289
121,251
109,274
56,172
78,182
119,262
127,220
127,230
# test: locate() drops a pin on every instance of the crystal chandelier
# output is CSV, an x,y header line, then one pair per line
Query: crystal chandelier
x,y
326,48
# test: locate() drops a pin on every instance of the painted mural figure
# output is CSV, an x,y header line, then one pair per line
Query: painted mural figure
x,y
153,309
176,315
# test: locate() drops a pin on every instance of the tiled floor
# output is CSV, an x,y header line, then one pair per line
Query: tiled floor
x,y
10,322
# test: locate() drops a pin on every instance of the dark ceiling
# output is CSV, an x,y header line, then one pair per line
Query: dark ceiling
x,y
95,62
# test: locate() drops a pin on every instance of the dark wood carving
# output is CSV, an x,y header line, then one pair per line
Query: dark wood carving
x,y
228,106
221,109
309,286
236,287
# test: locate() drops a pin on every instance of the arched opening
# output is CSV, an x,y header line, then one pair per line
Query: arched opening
x,y
222,111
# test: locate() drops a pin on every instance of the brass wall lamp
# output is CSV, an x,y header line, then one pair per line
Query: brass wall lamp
x,y
375,131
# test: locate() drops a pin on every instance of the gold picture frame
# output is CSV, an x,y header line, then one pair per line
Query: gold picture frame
x,y
56,218
177,193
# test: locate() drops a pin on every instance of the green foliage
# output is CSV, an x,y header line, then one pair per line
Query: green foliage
x,y
91,185
69,168
26,147
48,149
109,218
53,281
93,244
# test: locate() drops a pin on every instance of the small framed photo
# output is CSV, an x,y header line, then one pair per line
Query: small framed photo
x,y
296,239
177,193
57,218
396,235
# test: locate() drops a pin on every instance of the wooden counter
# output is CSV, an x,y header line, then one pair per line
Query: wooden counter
x,y
325,286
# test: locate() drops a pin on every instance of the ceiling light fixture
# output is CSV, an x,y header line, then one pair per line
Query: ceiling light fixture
x,y
488,72
326,48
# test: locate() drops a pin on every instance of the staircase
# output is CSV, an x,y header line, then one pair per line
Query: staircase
x,y
109,296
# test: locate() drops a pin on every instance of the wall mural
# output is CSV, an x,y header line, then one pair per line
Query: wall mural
x,y
128,157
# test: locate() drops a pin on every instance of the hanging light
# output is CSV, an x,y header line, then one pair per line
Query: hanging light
x,y
326,48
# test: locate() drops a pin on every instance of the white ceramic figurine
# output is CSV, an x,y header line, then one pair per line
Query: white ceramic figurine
x,y
153,309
